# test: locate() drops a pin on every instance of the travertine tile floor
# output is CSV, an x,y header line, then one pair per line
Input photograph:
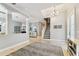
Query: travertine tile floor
x,y
43,48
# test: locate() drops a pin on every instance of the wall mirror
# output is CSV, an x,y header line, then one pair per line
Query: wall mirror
x,y
18,23
3,20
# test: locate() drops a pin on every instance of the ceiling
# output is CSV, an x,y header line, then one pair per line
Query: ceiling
x,y
33,10
30,10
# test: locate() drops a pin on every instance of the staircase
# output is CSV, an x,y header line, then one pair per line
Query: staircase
x,y
47,33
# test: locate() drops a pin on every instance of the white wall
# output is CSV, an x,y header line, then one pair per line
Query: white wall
x,y
77,23
58,34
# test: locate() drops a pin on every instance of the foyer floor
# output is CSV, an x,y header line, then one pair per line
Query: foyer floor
x,y
43,48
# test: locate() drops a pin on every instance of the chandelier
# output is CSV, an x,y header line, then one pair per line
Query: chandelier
x,y
54,12
50,12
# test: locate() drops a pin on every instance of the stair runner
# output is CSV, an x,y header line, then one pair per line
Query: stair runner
x,y
47,33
